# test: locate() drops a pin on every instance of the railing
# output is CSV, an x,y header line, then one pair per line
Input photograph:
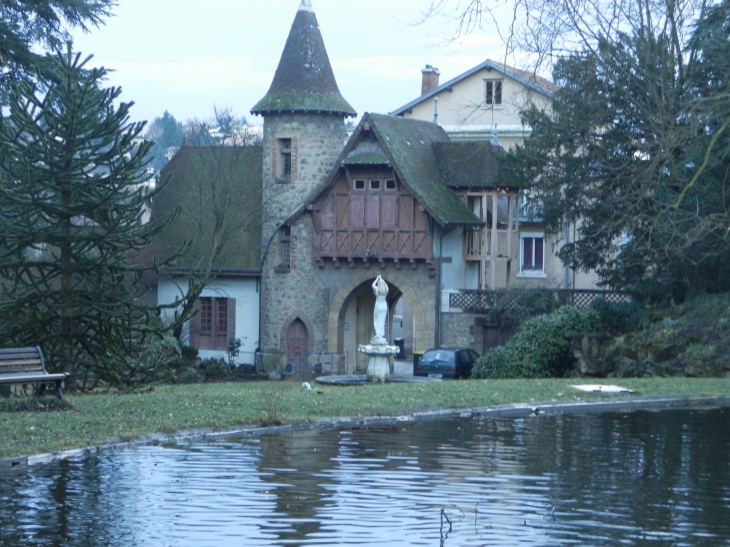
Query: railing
x,y
305,366
480,301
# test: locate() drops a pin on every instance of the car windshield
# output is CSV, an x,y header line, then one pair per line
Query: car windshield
x,y
438,355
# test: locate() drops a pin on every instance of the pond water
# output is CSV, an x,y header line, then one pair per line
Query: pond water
x,y
640,478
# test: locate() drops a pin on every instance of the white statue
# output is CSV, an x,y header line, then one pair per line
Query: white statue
x,y
380,313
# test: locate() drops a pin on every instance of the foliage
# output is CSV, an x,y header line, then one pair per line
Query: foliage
x,y
634,154
224,128
233,350
618,317
517,305
540,348
72,230
564,26
213,179
165,132
26,24
189,353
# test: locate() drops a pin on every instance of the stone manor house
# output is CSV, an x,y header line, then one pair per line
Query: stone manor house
x,y
320,215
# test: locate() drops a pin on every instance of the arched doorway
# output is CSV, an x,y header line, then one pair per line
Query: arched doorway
x,y
357,324
297,342
344,314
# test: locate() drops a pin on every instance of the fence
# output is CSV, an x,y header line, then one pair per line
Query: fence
x,y
306,366
481,301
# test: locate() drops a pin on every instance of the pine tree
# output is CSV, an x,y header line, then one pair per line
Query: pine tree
x,y
73,195
26,25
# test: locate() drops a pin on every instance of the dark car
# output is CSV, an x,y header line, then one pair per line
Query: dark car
x,y
446,363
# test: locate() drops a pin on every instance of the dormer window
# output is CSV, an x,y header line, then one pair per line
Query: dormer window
x,y
493,93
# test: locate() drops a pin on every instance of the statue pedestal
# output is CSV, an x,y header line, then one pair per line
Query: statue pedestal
x,y
379,361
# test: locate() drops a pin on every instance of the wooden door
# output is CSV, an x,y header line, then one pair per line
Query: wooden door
x,y
297,342
493,337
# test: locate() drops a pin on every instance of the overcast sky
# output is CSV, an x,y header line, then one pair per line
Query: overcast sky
x,y
185,56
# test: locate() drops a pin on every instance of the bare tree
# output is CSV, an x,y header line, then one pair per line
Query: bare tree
x,y
539,31
215,179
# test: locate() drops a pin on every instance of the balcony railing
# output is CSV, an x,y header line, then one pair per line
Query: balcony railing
x,y
481,301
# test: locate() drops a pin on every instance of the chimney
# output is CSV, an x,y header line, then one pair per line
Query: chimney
x,y
430,79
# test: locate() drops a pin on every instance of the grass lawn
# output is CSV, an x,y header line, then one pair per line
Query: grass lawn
x,y
33,426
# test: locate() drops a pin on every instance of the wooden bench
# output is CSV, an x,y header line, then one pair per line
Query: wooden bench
x,y
26,366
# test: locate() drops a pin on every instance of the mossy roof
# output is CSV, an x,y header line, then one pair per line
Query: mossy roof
x,y
213,184
408,145
468,164
304,80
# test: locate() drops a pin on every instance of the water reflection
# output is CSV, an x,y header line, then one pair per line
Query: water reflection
x,y
635,479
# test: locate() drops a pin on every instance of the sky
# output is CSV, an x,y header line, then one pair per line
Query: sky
x,y
189,56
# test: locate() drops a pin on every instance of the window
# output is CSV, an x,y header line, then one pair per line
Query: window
x,y
359,184
285,247
375,184
493,96
284,162
532,255
214,324
390,184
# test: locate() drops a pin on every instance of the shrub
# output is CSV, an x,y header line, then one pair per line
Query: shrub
x,y
189,353
214,369
518,305
189,376
541,347
618,317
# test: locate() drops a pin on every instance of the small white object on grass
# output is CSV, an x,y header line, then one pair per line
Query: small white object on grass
x,y
306,385
601,388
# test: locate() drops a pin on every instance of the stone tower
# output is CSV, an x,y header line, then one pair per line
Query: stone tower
x,y
304,134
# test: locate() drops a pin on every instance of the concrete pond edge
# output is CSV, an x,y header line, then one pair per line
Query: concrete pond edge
x,y
515,410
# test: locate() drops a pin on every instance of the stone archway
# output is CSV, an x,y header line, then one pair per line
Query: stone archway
x,y
342,301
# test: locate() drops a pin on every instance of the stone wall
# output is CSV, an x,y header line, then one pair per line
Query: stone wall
x,y
294,292
458,330
318,296
417,285
317,141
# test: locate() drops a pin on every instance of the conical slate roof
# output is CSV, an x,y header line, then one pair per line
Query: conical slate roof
x,y
304,81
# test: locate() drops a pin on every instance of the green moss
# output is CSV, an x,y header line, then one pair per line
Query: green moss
x,y
332,103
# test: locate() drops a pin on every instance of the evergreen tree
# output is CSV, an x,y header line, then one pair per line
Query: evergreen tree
x,y
28,23
164,132
73,192
634,154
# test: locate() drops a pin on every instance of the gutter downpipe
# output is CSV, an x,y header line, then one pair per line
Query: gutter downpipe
x,y
439,288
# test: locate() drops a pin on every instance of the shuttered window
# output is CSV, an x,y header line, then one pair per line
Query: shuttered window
x,y
214,323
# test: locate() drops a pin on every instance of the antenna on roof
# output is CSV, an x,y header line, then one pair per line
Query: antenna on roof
x,y
495,139
436,110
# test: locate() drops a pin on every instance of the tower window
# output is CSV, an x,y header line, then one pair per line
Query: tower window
x,y
285,248
285,167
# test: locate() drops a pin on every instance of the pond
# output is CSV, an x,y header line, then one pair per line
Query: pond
x,y
639,478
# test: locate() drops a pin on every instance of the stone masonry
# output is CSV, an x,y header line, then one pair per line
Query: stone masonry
x,y
317,140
